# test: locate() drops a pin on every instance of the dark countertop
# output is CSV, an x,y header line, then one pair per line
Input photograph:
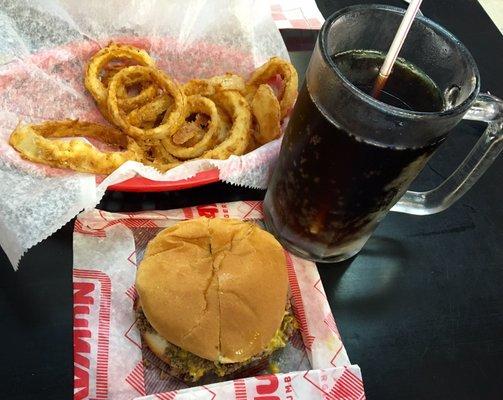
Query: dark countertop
x,y
420,309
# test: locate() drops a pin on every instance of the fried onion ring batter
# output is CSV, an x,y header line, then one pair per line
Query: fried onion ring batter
x,y
156,156
277,66
172,121
33,142
267,113
196,105
237,141
114,51
149,112
159,122
147,92
208,87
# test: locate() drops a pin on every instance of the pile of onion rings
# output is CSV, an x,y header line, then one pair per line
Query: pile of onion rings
x,y
158,121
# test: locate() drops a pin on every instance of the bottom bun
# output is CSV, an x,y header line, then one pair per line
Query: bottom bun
x,y
191,368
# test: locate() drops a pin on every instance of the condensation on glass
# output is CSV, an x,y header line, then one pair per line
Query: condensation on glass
x,y
329,189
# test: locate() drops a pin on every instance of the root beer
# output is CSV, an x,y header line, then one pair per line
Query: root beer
x,y
331,187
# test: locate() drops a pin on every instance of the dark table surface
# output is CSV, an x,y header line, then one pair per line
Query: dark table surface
x,y
420,309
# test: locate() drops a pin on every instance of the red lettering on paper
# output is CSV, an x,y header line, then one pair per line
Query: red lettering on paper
x,y
81,291
80,322
208,211
84,294
79,344
187,212
225,210
81,347
268,388
81,383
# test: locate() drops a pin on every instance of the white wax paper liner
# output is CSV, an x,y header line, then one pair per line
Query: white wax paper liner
x,y
107,346
44,46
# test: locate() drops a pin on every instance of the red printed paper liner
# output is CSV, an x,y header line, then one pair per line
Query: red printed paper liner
x,y
342,383
107,345
296,14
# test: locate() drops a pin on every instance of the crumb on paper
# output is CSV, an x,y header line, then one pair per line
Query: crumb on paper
x,y
274,367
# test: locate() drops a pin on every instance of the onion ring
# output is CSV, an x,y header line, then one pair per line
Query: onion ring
x,y
224,127
149,112
277,66
32,142
146,91
235,105
155,115
98,61
109,72
170,124
208,87
253,145
129,103
196,105
267,113
156,156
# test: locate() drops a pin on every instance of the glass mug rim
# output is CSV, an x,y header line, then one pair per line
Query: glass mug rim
x,y
392,110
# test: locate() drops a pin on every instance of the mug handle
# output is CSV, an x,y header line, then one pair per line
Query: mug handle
x,y
486,108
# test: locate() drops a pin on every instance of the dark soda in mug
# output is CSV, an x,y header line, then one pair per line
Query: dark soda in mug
x,y
347,158
331,187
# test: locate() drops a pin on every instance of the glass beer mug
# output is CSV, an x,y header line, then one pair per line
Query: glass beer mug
x,y
347,158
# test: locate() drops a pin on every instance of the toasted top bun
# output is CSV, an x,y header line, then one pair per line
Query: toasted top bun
x,y
214,287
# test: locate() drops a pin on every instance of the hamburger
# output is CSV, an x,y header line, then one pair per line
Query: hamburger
x,y
213,297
